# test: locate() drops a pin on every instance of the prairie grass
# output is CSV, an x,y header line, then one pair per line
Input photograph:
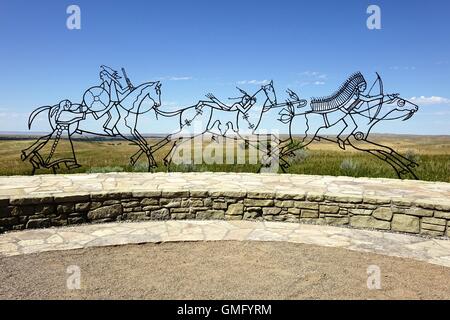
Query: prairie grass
x,y
321,158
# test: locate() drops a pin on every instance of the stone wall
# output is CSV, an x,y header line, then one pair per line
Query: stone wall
x,y
425,218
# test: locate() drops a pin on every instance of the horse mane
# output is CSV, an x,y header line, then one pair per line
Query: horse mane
x,y
339,97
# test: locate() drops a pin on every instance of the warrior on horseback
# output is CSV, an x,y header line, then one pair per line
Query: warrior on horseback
x,y
245,103
111,84
339,106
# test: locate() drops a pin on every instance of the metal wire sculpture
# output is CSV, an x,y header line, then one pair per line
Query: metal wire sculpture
x,y
359,113
118,107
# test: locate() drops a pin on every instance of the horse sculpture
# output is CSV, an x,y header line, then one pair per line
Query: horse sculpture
x,y
67,119
358,124
211,117
117,109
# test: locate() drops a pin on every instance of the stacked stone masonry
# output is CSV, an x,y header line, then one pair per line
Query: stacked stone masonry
x,y
417,217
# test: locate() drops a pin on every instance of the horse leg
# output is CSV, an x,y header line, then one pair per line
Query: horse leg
x,y
169,156
399,167
149,154
404,163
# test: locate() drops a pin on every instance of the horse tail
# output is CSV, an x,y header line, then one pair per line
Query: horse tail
x,y
35,113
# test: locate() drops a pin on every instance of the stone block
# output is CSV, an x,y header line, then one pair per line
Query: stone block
x,y
404,223
271,211
175,193
419,212
44,209
131,204
108,212
361,212
305,213
210,214
228,193
328,208
198,193
183,215
306,205
147,194
75,220
361,221
138,216
442,214
234,217
187,203
300,195
170,203
258,203
65,208
336,221
383,213
219,205
161,214
343,198
38,223
103,196
403,202
260,195
207,202
376,200
315,196
110,202
436,221
252,214
432,233
433,227
319,221
284,203
236,209
82,207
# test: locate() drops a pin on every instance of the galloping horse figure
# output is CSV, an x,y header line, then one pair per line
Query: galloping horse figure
x,y
67,118
215,118
358,123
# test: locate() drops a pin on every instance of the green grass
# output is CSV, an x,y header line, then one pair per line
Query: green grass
x,y
432,154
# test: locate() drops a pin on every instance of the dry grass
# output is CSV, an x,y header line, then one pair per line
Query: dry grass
x,y
431,152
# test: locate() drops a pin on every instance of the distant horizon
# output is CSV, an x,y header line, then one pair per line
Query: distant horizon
x,y
154,134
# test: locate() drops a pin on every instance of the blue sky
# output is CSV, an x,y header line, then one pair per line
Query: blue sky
x,y
195,47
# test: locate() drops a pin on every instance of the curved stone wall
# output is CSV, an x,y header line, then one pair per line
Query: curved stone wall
x,y
425,216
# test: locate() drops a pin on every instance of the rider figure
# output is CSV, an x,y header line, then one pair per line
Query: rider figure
x,y
350,97
245,103
110,82
358,97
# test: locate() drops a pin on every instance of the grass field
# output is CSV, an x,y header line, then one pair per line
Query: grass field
x,y
321,158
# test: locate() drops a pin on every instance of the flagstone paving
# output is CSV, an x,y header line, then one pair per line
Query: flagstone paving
x,y
433,251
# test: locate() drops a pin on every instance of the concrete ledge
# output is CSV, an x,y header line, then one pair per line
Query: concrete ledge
x,y
415,207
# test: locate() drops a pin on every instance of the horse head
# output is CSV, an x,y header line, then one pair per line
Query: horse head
x,y
269,90
392,107
158,94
